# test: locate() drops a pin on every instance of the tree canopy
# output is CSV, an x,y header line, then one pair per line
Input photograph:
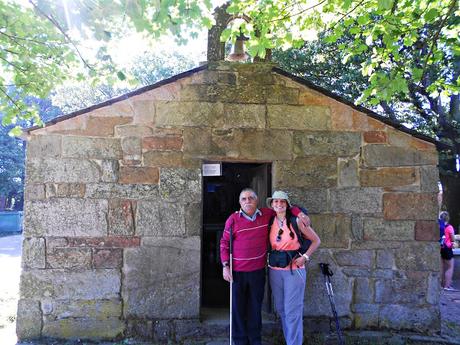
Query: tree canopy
x,y
11,170
145,69
410,46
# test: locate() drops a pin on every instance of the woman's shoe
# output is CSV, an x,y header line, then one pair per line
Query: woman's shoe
x,y
450,288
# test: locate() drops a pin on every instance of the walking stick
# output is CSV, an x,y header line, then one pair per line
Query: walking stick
x,y
327,274
231,281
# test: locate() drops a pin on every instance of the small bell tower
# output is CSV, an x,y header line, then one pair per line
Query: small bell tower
x,y
216,48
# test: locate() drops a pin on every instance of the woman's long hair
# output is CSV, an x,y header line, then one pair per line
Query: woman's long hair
x,y
288,217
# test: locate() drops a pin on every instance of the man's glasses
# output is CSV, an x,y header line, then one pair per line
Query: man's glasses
x,y
281,231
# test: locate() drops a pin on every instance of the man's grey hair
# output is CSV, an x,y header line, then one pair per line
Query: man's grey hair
x,y
248,190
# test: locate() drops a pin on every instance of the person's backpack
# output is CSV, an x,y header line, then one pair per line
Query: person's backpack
x,y
304,242
442,227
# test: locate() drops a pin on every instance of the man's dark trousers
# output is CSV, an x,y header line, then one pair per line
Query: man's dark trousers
x,y
248,294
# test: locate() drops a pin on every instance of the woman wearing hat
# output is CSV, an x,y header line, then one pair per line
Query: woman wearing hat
x,y
447,241
287,264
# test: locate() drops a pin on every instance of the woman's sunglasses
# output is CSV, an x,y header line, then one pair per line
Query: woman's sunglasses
x,y
280,232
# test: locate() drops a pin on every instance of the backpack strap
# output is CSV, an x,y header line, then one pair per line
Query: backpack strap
x,y
304,242
270,223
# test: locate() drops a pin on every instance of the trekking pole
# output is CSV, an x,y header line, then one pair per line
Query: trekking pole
x,y
231,282
327,274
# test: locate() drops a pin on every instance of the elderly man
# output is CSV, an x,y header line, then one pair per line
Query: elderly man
x,y
249,228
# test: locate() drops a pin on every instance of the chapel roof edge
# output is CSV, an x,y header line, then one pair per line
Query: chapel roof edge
x,y
215,66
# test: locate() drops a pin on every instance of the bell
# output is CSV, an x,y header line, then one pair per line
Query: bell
x,y
238,54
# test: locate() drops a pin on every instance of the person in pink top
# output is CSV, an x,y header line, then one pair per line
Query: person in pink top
x,y
287,267
250,239
447,243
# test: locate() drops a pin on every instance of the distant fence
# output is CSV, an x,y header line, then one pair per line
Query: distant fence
x,y
10,221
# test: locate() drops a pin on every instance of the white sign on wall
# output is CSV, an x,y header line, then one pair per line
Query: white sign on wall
x,y
212,169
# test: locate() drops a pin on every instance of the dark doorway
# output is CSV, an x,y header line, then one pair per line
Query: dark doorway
x,y
220,199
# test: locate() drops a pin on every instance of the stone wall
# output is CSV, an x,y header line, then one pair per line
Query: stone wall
x,y
112,195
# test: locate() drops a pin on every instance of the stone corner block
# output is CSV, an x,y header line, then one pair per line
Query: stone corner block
x,y
378,155
426,231
44,146
33,253
29,319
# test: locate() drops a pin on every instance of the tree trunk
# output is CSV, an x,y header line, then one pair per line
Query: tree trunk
x,y
451,197
2,202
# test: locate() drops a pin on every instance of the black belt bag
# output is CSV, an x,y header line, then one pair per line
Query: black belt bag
x,y
281,258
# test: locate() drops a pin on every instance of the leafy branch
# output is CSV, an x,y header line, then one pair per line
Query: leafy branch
x,y
14,38
298,13
435,38
62,31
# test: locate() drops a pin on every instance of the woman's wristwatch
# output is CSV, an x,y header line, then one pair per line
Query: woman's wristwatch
x,y
306,257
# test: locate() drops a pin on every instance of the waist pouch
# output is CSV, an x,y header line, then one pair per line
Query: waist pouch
x,y
281,258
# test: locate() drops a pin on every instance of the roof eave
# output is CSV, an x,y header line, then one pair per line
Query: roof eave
x,y
118,99
397,125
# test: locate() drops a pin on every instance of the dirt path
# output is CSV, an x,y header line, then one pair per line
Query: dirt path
x,y
450,313
10,268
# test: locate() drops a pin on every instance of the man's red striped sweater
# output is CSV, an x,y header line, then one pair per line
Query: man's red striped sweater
x,y
250,240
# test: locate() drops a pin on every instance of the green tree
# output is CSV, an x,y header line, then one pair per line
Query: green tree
x,y
37,53
325,65
71,97
33,57
145,69
12,155
394,29
322,64
149,68
11,170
